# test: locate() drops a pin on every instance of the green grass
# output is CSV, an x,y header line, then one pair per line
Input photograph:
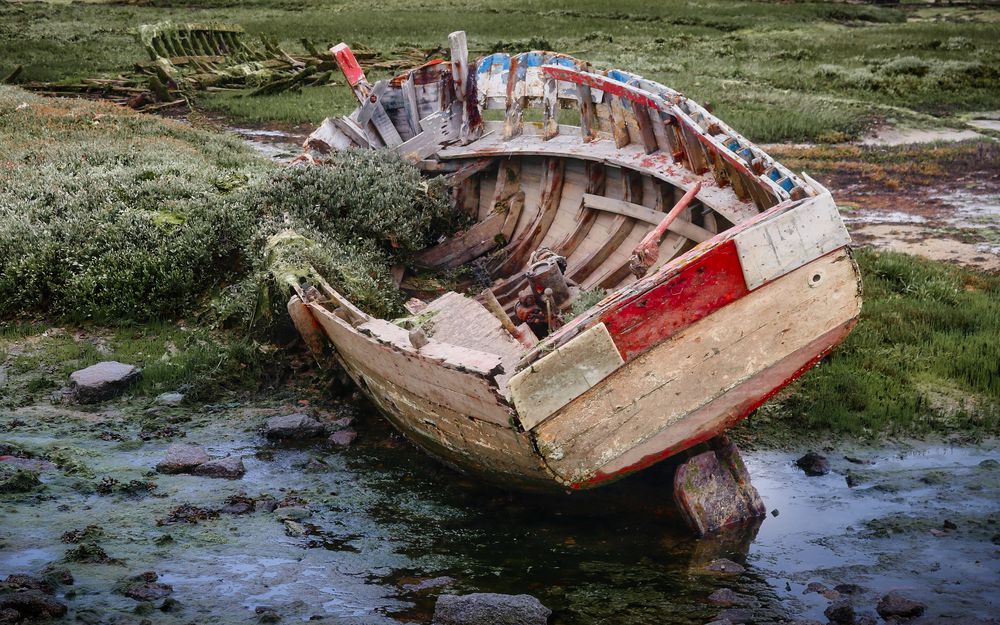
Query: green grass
x,y
922,359
775,70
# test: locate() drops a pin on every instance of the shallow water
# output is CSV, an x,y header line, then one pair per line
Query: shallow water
x,y
382,516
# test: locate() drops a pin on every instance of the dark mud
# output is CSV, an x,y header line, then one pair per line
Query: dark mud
x,y
376,531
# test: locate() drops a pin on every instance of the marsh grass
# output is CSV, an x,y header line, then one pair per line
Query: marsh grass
x,y
922,359
776,71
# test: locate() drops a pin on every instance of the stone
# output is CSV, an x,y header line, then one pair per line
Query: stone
x,y
724,565
170,605
849,589
813,464
895,604
840,612
170,399
723,597
230,468
490,609
26,582
292,513
102,381
32,604
293,426
148,591
343,438
9,616
712,490
736,616
182,458
721,621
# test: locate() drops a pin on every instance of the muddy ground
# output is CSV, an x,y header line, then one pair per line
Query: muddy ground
x,y
373,532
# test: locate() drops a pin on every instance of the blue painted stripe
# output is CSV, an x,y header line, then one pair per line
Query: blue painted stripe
x,y
500,59
787,184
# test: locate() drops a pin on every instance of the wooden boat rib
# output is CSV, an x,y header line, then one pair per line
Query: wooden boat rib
x,y
751,283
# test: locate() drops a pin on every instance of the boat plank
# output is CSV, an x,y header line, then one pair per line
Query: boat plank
x,y
698,364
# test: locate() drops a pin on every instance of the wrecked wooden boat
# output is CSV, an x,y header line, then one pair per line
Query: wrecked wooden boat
x,y
724,275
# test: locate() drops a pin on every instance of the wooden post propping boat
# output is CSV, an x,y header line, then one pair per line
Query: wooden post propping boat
x,y
750,284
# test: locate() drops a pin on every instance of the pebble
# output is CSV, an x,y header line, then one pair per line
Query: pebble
x,y
895,604
293,426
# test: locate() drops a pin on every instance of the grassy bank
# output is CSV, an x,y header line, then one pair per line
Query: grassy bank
x,y
125,221
776,70
922,360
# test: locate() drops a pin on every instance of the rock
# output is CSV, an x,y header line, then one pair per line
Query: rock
x,y
723,597
490,609
989,464
32,604
148,591
849,589
266,614
723,621
170,399
341,423
230,468
813,464
182,458
840,612
170,605
343,438
9,616
805,622
26,582
102,381
736,616
895,604
722,565
949,525
293,426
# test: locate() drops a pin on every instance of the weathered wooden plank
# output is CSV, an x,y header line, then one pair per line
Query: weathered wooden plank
x,y
513,124
618,121
632,156
563,375
658,389
550,108
519,251
374,99
388,355
410,104
596,179
776,246
588,117
646,214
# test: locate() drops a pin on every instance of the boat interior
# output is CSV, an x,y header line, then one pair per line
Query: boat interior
x,y
564,171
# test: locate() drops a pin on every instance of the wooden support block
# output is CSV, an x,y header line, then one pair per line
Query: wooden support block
x,y
513,124
713,492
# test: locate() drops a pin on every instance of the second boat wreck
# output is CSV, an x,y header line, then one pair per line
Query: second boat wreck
x,y
724,275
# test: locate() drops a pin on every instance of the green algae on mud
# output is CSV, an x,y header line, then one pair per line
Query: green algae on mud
x,y
367,524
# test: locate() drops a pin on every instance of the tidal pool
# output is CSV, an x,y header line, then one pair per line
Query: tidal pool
x,y
376,531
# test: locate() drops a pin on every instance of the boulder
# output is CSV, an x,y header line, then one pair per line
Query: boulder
x,y
293,426
230,468
813,464
712,490
182,458
490,609
896,605
102,381
148,591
